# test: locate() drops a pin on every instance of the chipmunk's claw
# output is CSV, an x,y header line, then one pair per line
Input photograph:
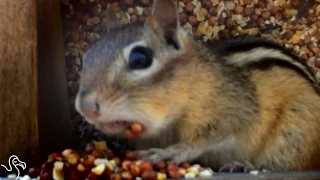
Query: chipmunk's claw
x,y
236,166
156,154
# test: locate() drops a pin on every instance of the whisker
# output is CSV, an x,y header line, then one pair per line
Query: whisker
x,y
120,100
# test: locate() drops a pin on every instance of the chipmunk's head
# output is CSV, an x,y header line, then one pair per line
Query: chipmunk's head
x,y
131,74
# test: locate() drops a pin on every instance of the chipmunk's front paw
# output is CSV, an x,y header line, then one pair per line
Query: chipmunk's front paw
x,y
176,153
156,154
237,167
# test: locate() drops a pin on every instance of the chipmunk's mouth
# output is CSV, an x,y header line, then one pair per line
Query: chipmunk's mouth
x,y
116,127
117,124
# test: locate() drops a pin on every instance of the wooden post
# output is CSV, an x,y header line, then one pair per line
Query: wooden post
x,y
54,122
34,112
18,80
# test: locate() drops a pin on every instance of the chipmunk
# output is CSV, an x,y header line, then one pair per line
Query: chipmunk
x,y
241,103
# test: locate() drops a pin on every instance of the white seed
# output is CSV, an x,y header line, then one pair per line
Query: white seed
x,y
113,163
26,177
193,169
138,162
116,169
110,166
220,9
57,174
67,53
296,48
82,44
12,176
70,44
253,31
58,165
258,11
81,53
224,15
197,8
65,2
289,46
229,5
78,61
190,175
180,9
70,7
100,161
139,10
98,170
272,20
254,172
196,166
96,20
181,4
215,2
205,38
206,173
74,51
130,10
311,61
215,29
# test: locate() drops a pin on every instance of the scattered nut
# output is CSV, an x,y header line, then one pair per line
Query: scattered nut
x,y
189,7
150,175
98,170
206,173
134,170
73,158
126,175
174,174
145,165
88,160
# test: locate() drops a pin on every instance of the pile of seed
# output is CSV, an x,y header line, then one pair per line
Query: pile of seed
x,y
289,22
98,162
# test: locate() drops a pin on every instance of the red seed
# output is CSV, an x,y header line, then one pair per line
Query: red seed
x,y
136,128
131,135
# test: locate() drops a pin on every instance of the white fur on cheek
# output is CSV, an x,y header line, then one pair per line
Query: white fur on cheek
x,y
77,104
182,35
139,74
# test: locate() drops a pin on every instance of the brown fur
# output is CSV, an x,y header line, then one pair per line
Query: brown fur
x,y
287,135
199,106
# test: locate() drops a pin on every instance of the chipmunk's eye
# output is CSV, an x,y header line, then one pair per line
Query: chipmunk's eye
x,y
140,58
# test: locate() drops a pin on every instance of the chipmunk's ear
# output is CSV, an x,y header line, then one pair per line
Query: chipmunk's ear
x,y
164,20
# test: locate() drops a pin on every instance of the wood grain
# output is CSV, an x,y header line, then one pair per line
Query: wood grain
x,y
18,80
54,122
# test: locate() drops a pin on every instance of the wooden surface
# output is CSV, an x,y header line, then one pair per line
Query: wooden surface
x,y
18,80
54,122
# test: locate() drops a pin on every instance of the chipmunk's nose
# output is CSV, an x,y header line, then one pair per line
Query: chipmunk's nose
x,y
87,104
